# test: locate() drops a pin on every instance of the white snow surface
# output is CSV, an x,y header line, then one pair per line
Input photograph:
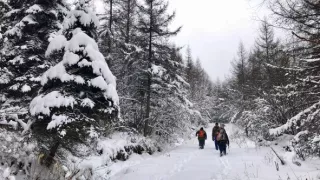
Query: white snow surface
x,y
58,121
187,162
86,17
5,76
316,139
57,43
43,103
297,136
86,102
157,70
34,9
26,88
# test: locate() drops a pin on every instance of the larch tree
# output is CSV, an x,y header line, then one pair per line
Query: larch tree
x,y
269,48
162,81
240,69
126,57
190,72
301,92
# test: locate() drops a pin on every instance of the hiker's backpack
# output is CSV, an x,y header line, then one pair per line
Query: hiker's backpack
x,y
201,134
221,136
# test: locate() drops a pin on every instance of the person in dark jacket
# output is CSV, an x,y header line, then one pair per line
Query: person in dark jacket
x,y
215,132
223,140
202,136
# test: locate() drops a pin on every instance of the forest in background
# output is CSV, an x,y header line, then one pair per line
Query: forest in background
x,y
70,80
274,86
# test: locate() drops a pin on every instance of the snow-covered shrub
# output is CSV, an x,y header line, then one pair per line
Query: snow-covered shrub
x,y
258,120
41,172
17,148
16,152
108,150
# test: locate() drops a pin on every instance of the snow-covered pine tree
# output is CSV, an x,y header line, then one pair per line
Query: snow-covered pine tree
x,y
25,28
78,98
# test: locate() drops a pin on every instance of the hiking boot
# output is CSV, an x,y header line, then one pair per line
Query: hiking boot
x,y
221,154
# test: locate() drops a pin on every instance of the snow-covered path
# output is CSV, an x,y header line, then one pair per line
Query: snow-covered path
x,y
187,162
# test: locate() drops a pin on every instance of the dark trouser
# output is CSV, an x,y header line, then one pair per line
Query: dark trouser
x,y
216,143
223,147
201,142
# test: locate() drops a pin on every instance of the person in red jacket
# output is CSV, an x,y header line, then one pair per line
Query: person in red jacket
x,y
202,136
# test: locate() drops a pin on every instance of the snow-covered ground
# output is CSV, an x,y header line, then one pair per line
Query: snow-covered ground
x,y
244,161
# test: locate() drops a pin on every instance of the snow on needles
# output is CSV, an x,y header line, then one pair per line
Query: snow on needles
x,y
87,103
56,44
316,139
43,103
25,88
58,121
86,17
34,9
105,80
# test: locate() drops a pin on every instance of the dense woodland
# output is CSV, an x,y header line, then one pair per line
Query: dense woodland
x,y
70,78
278,79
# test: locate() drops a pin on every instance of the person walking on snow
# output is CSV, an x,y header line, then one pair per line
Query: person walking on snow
x,y
223,140
202,136
215,132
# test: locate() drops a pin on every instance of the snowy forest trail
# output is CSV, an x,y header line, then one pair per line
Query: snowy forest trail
x,y
244,161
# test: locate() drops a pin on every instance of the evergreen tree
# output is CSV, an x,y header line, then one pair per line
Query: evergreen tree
x,y
78,99
190,72
153,25
301,94
269,48
240,70
26,28
126,57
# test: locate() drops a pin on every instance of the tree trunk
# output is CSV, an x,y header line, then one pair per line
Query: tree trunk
x,y
50,158
128,22
110,35
147,118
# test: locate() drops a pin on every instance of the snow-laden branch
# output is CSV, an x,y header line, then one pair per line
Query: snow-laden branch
x,y
283,68
293,121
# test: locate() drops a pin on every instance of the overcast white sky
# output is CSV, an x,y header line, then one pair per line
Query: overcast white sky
x,y
214,28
